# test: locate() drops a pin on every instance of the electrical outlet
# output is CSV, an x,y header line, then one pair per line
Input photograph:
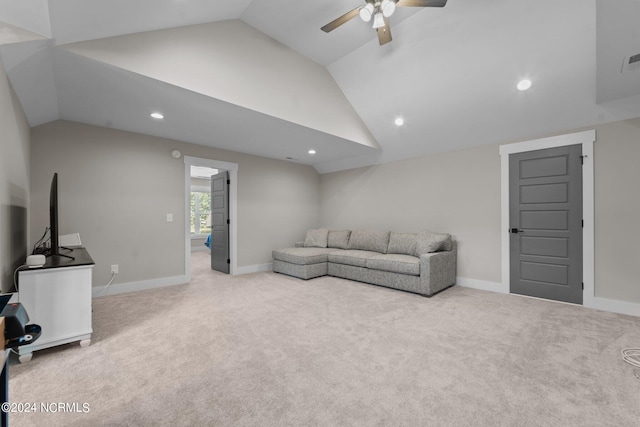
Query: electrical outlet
x,y
114,269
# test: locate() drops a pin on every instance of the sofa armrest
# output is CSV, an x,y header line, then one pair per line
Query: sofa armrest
x,y
299,244
437,271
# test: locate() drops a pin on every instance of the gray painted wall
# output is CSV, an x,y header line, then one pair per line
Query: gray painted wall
x,y
116,187
14,183
459,192
617,210
456,192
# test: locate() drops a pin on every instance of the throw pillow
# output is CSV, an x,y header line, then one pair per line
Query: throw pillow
x,y
316,238
428,241
338,239
369,240
402,243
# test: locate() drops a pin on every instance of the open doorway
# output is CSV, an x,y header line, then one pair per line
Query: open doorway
x,y
200,208
206,165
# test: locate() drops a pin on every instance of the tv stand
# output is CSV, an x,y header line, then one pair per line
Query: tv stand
x,y
57,297
62,255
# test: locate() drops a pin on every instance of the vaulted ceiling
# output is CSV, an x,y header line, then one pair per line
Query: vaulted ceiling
x,y
261,77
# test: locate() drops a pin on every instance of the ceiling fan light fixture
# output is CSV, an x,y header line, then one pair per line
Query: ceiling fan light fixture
x,y
387,7
378,20
366,12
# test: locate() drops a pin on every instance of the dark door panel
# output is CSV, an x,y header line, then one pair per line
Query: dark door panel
x,y
545,193
220,222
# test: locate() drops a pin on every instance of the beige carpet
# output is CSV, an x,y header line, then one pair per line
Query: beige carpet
x,y
269,350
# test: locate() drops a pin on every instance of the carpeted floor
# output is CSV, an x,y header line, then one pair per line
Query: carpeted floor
x,y
269,350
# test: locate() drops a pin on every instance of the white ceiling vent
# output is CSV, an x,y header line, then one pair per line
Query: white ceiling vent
x,y
631,63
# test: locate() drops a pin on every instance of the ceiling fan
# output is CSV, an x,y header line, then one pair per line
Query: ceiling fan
x,y
380,10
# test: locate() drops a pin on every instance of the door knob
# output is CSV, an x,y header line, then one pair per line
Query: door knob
x,y
516,231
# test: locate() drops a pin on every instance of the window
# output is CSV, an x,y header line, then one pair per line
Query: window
x,y
200,213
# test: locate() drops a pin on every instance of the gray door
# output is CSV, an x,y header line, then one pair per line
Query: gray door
x,y
220,222
545,197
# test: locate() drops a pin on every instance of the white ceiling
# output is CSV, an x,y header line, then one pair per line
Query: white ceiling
x,y
450,72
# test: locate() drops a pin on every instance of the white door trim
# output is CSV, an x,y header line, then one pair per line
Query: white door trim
x,y
586,139
232,168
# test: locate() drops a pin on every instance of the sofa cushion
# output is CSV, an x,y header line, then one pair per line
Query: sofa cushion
x,y
428,241
395,263
354,257
302,256
402,243
316,238
369,240
338,239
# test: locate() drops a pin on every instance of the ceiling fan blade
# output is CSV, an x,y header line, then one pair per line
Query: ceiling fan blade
x,y
421,3
384,33
341,20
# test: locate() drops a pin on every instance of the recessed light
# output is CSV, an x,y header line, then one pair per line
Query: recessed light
x,y
312,152
524,84
399,121
157,115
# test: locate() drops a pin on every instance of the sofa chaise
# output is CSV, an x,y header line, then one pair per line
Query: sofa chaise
x,y
423,263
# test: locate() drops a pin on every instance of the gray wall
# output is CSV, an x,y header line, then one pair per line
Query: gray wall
x,y
459,192
14,183
116,188
456,192
617,210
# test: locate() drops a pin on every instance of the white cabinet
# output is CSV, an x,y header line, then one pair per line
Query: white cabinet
x,y
58,299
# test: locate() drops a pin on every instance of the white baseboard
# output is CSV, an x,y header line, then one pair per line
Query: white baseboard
x,y
121,288
614,306
604,304
483,285
257,268
200,249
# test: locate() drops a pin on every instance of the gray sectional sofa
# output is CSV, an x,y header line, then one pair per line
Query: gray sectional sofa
x,y
423,263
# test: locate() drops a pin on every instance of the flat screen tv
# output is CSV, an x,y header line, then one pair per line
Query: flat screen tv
x,y
54,250
53,216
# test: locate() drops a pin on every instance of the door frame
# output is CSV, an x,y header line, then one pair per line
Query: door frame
x,y
586,139
232,168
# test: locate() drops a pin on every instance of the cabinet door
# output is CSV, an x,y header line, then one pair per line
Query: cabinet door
x,y
59,300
